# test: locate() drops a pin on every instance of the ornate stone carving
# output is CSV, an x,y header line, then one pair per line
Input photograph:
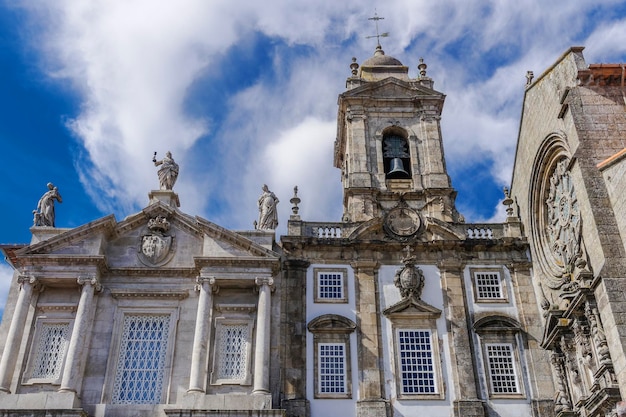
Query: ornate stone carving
x,y
91,280
597,332
402,222
410,279
561,397
563,226
44,215
156,247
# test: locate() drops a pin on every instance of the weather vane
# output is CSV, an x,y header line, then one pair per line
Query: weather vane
x,y
378,35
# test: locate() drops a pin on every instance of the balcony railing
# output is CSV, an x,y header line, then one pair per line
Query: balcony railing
x,y
339,230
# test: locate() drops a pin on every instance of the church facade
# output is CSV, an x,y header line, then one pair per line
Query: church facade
x,y
401,308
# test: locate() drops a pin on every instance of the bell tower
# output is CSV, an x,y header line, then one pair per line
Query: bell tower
x,y
389,145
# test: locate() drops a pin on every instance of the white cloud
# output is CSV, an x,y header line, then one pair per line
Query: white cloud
x,y
6,277
133,63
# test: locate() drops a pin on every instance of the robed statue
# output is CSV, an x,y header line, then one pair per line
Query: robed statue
x,y
268,216
168,173
44,215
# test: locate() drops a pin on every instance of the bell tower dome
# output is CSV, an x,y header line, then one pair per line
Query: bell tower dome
x,y
389,145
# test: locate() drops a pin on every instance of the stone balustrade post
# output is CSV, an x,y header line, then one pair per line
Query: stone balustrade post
x,y
262,347
16,331
84,315
199,358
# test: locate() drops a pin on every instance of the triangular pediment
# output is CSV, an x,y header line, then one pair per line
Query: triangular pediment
x,y
393,88
411,307
181,241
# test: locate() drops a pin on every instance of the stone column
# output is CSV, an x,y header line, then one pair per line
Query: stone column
x,y
262,348
16,331
462,349
84,316
369,346
199,358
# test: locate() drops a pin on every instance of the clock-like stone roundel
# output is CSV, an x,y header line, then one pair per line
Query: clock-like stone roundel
x,y
562,219
403,221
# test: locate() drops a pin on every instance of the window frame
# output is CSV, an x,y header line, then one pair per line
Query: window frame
x,y
504,298
51,315
401,357
320,374
317,285
116,348
332,329
490,375
415,315
221,323
501,330
435,357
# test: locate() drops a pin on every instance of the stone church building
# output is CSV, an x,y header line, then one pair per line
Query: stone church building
x,y
400,309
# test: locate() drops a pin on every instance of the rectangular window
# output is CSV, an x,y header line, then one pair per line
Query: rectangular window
x,y
417,368
51,349
501,368
330,285
233,352
488,285
141,365
332,368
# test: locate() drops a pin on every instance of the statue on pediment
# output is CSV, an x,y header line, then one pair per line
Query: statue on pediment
x,y
168,173
268,214
44,215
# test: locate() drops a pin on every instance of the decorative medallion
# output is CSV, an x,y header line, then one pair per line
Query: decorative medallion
x,y
410,279
562,220
402,222
156,246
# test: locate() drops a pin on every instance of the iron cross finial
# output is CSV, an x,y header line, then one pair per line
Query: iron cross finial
x,y
378,35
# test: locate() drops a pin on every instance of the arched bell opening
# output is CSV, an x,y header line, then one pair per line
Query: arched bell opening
x,y
396,157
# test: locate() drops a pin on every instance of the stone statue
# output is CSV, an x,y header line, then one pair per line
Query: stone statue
x,y
168,173
44,215
268,216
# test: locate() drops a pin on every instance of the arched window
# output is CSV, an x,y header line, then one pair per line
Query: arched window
x,y
396,156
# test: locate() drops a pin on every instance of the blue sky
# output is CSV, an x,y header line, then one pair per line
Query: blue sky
x,y
244,93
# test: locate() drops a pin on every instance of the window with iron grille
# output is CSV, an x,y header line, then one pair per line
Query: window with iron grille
x,y
332,368
141,364
416,362
233,351
51,349
501,365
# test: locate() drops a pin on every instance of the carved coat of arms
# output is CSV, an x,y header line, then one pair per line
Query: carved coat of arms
x,y
410,279
156,246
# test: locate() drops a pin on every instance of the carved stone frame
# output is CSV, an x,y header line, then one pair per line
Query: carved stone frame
x,y
344,284
336,329
504,296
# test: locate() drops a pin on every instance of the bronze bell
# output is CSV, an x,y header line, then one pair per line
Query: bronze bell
x,y
396,169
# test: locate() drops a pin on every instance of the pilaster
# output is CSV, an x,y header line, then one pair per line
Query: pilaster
x,y
293,338
537,358
462,349
369,345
